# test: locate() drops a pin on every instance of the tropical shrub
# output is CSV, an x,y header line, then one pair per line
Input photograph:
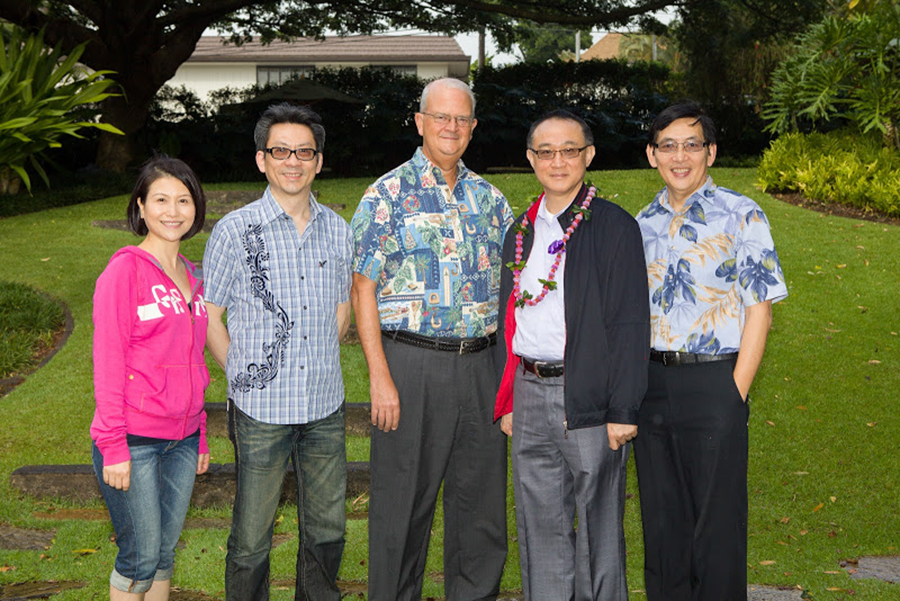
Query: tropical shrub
x,y
846,67
43,96
840,166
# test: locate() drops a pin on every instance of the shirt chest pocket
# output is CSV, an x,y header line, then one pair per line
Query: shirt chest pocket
x,y
324,278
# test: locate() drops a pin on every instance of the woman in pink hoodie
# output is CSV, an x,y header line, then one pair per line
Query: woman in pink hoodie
x,y
149,427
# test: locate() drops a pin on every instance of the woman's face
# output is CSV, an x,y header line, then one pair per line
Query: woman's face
x,y
168,210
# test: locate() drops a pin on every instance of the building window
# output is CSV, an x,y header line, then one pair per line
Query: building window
x,y
405,70
279,75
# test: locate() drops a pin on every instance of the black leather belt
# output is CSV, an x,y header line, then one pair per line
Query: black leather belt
x,y
544,369
679,358
463,346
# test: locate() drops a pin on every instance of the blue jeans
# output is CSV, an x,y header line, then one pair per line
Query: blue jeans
x,y
317,451
148,517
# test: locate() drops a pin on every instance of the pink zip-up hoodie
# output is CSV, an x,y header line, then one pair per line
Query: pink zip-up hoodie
x,y
150,374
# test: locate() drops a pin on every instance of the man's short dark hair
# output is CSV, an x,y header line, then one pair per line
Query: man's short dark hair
x,y
286,112
158,167
685,110
562,115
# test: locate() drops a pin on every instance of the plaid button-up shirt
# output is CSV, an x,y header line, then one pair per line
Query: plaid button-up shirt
x,y
281,291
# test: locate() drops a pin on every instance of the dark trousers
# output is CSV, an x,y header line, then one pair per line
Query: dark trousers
x,y
691,453
261,454
446,433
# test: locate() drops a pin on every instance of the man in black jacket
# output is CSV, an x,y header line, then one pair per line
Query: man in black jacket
x,y
573,331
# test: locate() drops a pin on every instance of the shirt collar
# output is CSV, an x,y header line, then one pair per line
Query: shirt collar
x,y
425,166
271,210
705,194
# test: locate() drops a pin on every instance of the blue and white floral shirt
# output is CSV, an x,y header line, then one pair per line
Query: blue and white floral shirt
x,y
433,252
704,265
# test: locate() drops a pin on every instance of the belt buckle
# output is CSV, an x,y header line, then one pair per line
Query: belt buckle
x,y
539,368
670,358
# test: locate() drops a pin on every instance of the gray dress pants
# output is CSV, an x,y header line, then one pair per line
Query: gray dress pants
x,y
560,475
446,434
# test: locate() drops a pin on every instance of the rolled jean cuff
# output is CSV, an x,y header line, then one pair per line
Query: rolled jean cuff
x,y
127,585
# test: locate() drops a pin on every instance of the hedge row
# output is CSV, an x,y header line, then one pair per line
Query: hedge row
x,y
840,166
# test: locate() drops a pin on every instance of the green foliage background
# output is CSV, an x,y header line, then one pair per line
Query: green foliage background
x,y
40,90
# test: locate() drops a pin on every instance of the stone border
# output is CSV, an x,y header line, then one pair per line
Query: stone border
x,y
78,483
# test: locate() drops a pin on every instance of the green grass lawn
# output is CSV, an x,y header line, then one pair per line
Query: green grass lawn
x,y
823,428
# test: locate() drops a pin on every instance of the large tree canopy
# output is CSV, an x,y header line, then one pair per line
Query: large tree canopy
x,y
145,41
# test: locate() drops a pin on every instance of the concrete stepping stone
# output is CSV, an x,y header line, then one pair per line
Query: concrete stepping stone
x,y
358,417
885,568
213,489
25,539
36,590
765,592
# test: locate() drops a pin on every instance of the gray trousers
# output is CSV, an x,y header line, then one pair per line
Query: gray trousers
x,y
446,434
559,475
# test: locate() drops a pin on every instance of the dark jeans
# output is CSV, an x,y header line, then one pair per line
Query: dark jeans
x,y
691,453
262,451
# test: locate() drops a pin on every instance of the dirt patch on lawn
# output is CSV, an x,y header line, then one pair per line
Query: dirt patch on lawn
x,y
839,210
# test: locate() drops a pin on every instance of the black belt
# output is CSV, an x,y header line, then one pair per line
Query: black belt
x,y
679,358
463,346
544,369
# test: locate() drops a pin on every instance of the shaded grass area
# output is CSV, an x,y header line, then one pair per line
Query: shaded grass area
x,y
823,424
28,322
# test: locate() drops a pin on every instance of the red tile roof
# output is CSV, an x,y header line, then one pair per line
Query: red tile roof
x,y
362,48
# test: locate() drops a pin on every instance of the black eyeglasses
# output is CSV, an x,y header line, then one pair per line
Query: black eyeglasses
x,y
671,146
545,154
280,153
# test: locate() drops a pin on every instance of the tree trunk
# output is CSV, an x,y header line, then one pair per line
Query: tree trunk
x,y
10,181
129,113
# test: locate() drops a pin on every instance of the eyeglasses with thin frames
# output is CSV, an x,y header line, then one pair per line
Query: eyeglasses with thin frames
x,y
546,154
444,120
280,153
671,146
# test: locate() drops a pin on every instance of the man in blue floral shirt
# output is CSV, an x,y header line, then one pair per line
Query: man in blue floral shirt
x,y
426,280
713,275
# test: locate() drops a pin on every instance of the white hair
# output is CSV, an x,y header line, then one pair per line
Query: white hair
x,y
446,82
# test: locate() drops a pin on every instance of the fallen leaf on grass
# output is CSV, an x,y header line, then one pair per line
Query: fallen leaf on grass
x,y
770,422
767,562
7,568
781,542
818,507
785,520
45,260
803,532
833,499
832,331
871,424
832,572
84,551
874,362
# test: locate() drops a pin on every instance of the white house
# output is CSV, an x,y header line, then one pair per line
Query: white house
x,y
215,65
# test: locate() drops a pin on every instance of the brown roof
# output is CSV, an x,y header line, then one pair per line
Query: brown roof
x,y
606,47
363,48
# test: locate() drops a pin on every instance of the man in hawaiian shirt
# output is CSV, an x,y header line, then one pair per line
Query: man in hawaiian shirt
x,y
713,275
280,266
573,344
428,237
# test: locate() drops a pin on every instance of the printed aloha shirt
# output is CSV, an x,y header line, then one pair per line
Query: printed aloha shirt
x,y
434,254
704,265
